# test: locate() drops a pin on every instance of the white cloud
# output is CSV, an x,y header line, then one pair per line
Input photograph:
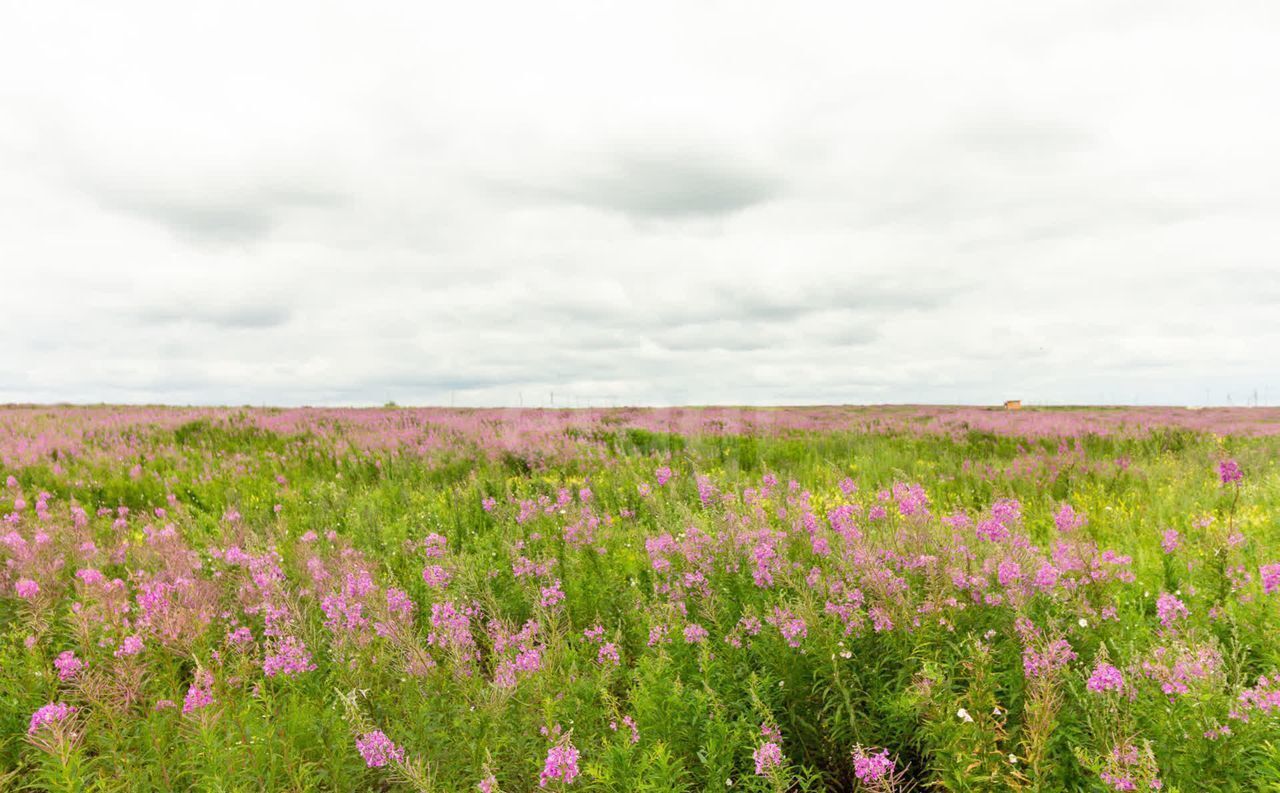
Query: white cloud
x,y
652,203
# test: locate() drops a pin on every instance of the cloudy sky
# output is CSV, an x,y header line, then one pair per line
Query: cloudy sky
x,y
640,203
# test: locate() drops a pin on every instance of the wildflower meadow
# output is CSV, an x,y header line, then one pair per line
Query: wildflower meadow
x,y
768,600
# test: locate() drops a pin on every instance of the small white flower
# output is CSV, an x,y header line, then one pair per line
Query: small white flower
x,y
1084,623
1013,759
963,715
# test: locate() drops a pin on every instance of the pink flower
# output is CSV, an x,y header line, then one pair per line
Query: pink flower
x,y
1229,471
1270,578
436,576
561,763
290,658
68,665
1067,520
1170,540
608,654
378,750
26,588
1054,656
551,595
47,715
132,645
1170,609
198,697
767,756
871,768
1105,678
663,475
694,633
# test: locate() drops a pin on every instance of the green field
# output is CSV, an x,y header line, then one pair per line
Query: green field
x,y
398,600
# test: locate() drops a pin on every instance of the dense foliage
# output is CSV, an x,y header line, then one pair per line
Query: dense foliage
x,y
653,601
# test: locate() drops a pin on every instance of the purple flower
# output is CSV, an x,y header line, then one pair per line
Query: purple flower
x,y
1009,573
68,665
1229,471
1169,542
562,764
378,750
871,768
26,588
132,645
53,713
1067,520
1105,678
1270,578
290,658
198,693
436,576
1054,656
767,756
607,655
1170,609
694,633
551,595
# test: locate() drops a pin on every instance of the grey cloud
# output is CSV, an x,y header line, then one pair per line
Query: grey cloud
x,y
1004,135
660,184
226,217
230,317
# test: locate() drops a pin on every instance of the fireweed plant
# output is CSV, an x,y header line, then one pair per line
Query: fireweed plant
x,y
885,599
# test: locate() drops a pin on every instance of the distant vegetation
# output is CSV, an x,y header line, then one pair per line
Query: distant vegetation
x,y
879,599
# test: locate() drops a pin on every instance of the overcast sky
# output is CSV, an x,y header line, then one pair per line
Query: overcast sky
x,y
642,203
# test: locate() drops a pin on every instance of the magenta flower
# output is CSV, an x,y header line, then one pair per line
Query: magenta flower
x,y
132,645
607,655
663,475
694,633
561,763
1270,578
290,658
1043,662
1068,520
871,768
436,576
378,750
1170,541
47,715
26,588
1105,678
768,756
68,665
1229,471
197,697
1170,609
551,595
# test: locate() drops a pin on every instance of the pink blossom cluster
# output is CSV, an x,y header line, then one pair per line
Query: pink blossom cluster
x,y
378,750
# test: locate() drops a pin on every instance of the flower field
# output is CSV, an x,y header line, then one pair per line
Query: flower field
x,y
791,599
